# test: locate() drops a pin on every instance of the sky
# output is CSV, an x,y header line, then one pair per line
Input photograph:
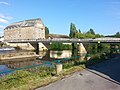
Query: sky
x,y
103,16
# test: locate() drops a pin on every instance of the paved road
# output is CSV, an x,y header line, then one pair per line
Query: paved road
x,y
104,76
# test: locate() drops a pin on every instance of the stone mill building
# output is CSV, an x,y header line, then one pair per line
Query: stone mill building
x,y
27,29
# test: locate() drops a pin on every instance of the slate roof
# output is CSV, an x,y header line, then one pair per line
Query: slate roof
x,y
25,23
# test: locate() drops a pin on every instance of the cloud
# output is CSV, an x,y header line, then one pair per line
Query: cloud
x,y
5,17
3,21
5,3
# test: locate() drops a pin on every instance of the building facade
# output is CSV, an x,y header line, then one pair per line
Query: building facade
x,y
27,29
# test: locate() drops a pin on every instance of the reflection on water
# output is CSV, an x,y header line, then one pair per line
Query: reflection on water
x,y
44,56
60,54
3,68
19,63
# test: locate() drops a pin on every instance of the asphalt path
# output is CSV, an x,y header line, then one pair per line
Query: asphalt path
x,y
103,76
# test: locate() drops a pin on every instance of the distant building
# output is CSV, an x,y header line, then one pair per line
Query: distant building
x,y
53,36
27,29
58,36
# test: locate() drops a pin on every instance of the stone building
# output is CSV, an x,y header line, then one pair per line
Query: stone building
x,y
27,29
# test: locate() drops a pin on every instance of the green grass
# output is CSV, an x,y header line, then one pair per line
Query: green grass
x,y
25,80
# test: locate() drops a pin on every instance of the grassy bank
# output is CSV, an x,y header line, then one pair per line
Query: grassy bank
x,y
27,80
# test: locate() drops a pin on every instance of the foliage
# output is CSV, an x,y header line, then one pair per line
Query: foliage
x,y
60,46
117,35
91,31
98,48
73,30
78,34
46,32
79,31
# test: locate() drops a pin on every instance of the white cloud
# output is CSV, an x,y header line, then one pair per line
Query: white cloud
x,y
3,20
5,17
5,3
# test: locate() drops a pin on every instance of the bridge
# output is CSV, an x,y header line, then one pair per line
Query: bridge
x,y
46,42
64,40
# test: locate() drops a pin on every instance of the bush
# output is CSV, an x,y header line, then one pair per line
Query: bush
x,y
60,46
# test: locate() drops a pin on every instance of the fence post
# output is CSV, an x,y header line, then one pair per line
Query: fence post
x,y
59,68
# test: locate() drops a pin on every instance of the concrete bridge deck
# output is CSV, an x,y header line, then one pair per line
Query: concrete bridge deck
x,y
64,40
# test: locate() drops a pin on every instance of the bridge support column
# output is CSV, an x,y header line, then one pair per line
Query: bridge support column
x,y
36,46
47,45
81,48
73,46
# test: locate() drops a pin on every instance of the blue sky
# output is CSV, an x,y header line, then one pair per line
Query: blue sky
x,y
101,15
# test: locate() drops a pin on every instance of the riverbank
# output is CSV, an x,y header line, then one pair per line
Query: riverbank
x,y
15,55
23,80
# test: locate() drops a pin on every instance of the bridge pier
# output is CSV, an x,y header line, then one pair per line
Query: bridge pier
x,y
73,46
81,48
47,45
36,46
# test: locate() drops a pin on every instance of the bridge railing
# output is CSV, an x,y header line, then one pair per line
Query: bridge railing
x,y
89,40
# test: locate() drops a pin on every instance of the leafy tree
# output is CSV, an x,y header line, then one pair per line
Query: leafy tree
x,y
73,30
91,31
79,35
117,35
79,31
60,46
89,35
98,36
46,32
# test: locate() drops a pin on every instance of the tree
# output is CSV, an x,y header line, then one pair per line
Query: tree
x,y
79,31
91,31
117,35
46,32
73,30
